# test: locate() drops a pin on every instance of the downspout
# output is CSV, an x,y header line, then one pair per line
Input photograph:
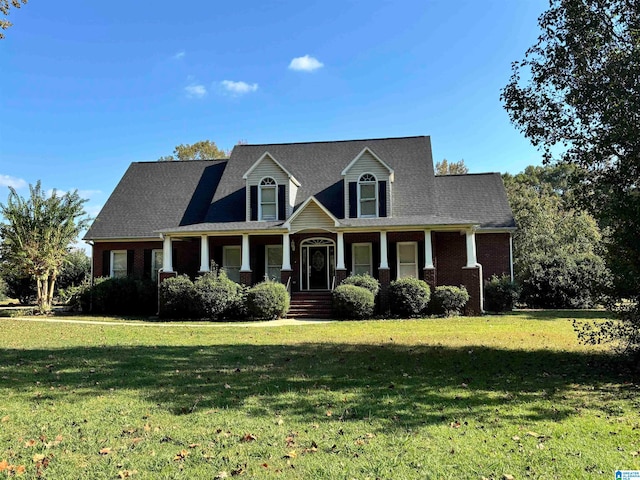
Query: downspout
x,y
511,254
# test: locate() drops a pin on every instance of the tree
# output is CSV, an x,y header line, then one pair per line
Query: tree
x,y
75,269
36,235
203,150
5,5
451,168
575,95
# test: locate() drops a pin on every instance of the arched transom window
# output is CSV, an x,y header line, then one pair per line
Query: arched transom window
x,y
268,200
367,196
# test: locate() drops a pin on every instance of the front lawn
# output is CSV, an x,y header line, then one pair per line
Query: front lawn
x,y
446,398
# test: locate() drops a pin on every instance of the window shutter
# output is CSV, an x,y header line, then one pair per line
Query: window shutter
x,y
282,205
353,199
382,199
146,271
129,263
253,202
106,263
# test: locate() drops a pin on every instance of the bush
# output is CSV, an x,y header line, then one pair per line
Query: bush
x,y
267,300
124,296
449,300
363,280
177,297
77,297
21,288
500,294
215,294
408,297
352,301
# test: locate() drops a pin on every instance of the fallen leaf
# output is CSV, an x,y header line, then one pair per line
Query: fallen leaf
x,y
265,465
534,434
181,455
136,440
38,457
329,413
5,419
29,443
291,454
227,386
540,446
455,424
126,473
194,445
105,451
515,438
506,476
249,437
3,465
221,475
238,471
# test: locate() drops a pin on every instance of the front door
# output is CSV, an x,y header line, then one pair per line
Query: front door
x,y
318,268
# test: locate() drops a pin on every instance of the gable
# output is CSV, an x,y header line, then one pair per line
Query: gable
x,y
367,162
311,216
266,166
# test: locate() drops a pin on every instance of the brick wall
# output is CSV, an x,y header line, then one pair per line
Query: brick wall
x,y
493,254
450,255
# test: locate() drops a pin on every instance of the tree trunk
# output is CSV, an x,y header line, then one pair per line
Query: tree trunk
x,y
44,304
52,283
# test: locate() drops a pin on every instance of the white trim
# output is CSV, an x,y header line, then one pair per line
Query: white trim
x,y
304,245
428,250
244,252
265,155
472,258
167,256
274,187
415,257
382,162
353,256
340,252
384,250
286,252
375,195
111,262
313,199
225,263
205,262
154,254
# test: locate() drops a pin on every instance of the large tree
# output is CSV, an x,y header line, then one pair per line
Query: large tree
x,y
5,5
203,150
446,167
36,235
576,95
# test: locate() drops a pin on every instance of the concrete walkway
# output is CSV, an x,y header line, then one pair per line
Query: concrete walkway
x,y
271,323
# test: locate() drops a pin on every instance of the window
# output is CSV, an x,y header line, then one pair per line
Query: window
x,y
231,262
268,200
368,196
156,263
118,263
273,262
361,259
407,259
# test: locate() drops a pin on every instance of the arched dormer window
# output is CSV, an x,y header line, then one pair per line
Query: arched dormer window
x,y
367,196
268,199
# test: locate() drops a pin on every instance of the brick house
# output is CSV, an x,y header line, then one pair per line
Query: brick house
x,y
308,214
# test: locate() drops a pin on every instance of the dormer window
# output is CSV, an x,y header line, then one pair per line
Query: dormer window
x,y
268,199
367,196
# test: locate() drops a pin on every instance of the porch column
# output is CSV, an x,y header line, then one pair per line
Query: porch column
x,y
341,270
246,265
167,255
472,260
384,256
205,264
428,250
286,252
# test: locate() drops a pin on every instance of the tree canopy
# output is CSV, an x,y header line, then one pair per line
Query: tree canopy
x,y
451,168
203,150
5,5
36,235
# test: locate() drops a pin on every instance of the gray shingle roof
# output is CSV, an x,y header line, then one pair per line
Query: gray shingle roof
x,y
196,196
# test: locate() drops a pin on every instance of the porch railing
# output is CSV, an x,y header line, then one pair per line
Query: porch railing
x,y
289,285
333,283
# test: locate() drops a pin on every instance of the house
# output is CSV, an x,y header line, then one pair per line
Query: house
x,y
309,215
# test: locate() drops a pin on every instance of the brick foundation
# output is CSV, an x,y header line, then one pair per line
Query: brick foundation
x,y
430,278
383,296
246,278
472,280
165,275
285,276
341,274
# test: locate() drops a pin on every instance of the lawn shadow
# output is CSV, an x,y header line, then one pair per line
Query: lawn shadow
x,y
561,314
407,385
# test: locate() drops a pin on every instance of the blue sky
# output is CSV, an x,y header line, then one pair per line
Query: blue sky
x,y
86,88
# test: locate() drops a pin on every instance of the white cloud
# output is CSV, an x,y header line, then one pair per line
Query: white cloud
x,y
239,88
9,181
180,55
305,64
195,91
93,210
85,194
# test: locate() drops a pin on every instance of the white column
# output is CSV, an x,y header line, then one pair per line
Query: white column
x,y
286,252
167,255
428,250
246,266
204,254
340,253
384,255
472,261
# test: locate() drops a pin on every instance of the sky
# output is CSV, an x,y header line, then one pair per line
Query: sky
x,y
88,87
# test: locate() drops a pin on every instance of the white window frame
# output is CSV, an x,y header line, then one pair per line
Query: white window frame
x,y
154,270
225,262
262,185
112,272
415,258
373,182
266,260
353,256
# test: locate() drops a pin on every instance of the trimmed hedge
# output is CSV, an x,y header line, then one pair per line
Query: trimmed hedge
x,y
177,297
449,300
500,294
363,280
123,296
215,294
352,302
408,297
267,300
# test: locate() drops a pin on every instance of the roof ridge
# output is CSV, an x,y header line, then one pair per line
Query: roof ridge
x,y
468,174
330,141
182,161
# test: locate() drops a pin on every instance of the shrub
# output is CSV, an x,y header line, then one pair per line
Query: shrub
x,y
363,280
215,294
124,296
352,301
500,294
21,288
177,297
449,300
408,296
267,300
76,297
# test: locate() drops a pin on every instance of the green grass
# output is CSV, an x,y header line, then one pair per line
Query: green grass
x,y
445,398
